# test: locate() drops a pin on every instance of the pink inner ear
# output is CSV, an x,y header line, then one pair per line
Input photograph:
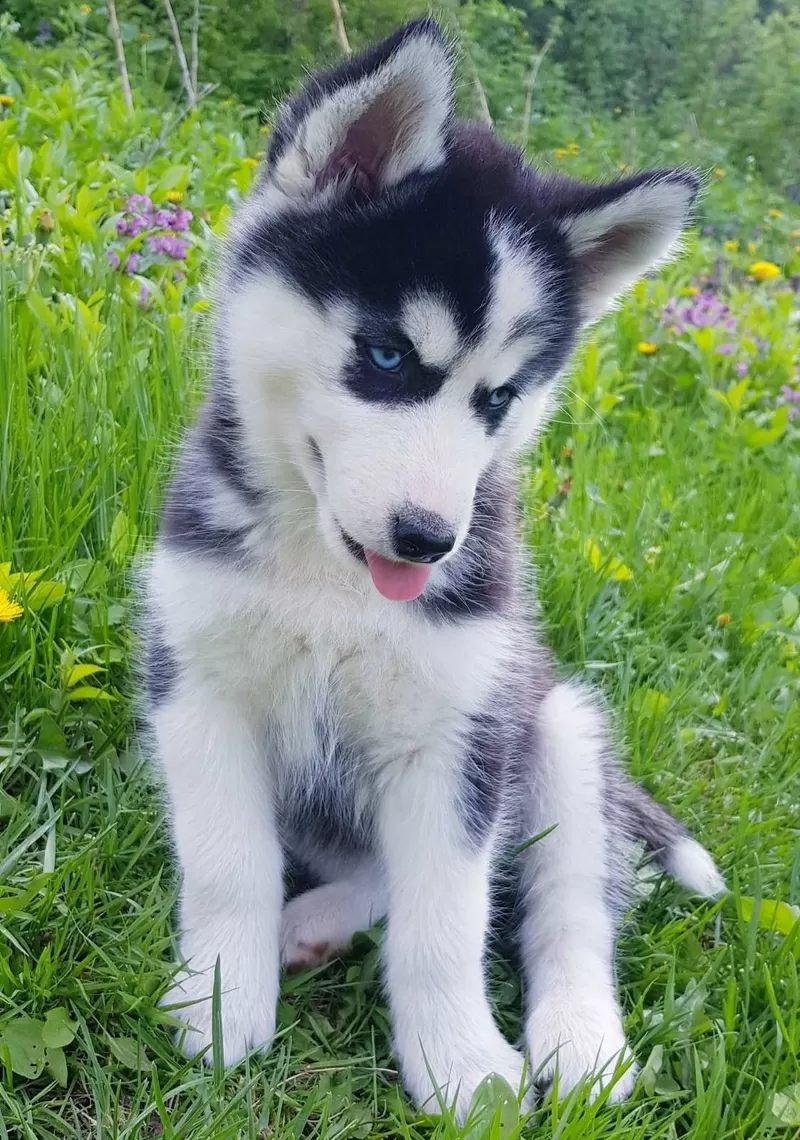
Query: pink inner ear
x,y
361,156
618,244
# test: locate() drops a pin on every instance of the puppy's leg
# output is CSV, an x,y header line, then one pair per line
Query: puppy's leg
x,y
574,885
230,860
438,886
321,922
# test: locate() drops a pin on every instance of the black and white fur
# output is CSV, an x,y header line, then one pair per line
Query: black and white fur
x,y
399,752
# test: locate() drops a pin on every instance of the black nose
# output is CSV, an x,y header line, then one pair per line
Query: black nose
x,y
421,536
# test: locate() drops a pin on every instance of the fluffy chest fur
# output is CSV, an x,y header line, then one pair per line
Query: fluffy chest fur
x,y
342,686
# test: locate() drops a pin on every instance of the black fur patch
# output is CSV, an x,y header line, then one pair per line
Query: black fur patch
x,y
187,524
481,577
486,759
221,435
161,667
411,382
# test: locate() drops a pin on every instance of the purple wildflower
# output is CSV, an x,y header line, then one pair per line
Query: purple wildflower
x,y
113,258
138,223
730,324
144,296
741,368
122,226
132,262
139,204
725,349
790,397
169,245
178,275
180,220
708,229
163,219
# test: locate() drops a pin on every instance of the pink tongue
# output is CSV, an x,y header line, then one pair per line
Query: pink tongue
x,y
397,581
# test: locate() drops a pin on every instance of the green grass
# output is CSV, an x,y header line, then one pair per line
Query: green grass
x,y
662,512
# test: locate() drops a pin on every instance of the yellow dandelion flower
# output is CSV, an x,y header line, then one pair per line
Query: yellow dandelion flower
x,y
751,247
144,35
689,291
8,610
573,148
174,196
561,152
719,172
7,100
724,619
764,270
263,130
731,246
250,162
85,9
646,348
775,214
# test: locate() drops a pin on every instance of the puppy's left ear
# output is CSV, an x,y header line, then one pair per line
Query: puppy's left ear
x,y
367,123
618,232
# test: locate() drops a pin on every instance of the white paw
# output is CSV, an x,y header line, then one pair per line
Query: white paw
x,y
439,1074
580,1033
249,994
321,923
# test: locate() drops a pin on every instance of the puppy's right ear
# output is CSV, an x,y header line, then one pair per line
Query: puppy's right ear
x,y
367,123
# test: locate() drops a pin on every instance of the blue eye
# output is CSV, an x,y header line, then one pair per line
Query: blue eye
x,y
498,398
383,357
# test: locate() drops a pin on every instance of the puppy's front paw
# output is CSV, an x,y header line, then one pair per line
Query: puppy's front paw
x,y
580,1034
249,985
450,1070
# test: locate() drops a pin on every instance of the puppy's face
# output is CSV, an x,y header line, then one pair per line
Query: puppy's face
x,y
405,293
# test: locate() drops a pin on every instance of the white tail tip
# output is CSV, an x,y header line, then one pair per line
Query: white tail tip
x,y
691,865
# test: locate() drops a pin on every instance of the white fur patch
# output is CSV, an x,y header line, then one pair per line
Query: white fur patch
x,y
692,866
432,328
621,240
574,1023
415,83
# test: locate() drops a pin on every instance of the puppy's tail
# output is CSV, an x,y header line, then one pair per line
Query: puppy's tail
x,y
670,845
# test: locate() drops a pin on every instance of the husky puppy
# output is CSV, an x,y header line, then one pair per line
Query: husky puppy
x,y
343,672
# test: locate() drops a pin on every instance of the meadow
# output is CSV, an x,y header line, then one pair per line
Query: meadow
x,y
663,516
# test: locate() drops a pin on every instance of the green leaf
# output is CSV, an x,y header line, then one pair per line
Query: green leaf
x,y
772,914
762,436
79,672
735,394
26,1049
58,1030
45,594
651,1069
494,1106
651,703
122,539
790,607
56,1065
129,1052
785,1107
89,693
